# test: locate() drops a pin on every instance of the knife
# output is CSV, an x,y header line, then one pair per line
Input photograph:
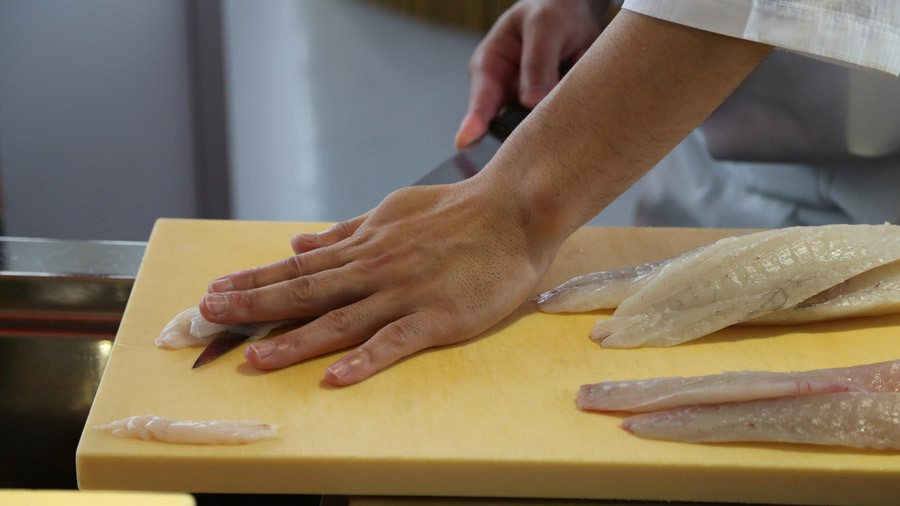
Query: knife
x,y
220,345
471,159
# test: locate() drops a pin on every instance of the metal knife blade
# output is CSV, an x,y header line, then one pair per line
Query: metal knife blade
x,y
220,345
470,160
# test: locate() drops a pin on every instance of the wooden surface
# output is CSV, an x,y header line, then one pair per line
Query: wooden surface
x,y
492,418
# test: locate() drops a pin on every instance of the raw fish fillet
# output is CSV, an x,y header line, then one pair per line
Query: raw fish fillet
x,y
598,290
177,333
861,420
872,293
740,278
216,432
189,328
664,393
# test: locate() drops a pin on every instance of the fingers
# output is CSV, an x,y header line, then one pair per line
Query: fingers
x,y
493,70
300,296
338,329
541,53
283,270
486,97
302,243
309,262
397,340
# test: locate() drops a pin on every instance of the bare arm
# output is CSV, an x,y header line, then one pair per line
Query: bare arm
x,y
639,90
437,265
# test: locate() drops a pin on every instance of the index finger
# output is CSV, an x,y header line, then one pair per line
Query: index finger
x,y
493,79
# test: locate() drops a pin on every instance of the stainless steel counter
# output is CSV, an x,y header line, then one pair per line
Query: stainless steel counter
x,y
60,306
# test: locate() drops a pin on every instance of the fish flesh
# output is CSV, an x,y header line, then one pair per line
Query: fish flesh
x,y
599,290
216,432
189,328
668,392
745,277
873,293
603,289
854,419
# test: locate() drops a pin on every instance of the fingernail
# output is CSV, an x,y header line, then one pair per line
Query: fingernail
x,y
215,303
262,349
338,370
222,284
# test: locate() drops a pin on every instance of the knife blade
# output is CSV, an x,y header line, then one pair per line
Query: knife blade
x,y
470,160
220,345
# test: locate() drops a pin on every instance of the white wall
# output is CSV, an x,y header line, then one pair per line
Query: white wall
x,y
335,103
95,117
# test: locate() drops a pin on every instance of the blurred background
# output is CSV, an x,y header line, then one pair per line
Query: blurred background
x,y
114,113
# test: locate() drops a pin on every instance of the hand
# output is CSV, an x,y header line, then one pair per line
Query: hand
x,y
429,266
519,58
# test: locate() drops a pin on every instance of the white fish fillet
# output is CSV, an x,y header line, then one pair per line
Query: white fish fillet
x,y
872,293
664,393
216,432
740,278
861,420
189,328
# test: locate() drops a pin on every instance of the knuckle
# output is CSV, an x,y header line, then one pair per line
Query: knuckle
x,y
293,266
301,290
340,321
340,229
402,334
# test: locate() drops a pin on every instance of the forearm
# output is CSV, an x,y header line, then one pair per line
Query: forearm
x,y
639,90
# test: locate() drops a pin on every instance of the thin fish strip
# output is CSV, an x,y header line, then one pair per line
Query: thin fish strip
x,y
216,432
860,420
668,392
741,278
598,290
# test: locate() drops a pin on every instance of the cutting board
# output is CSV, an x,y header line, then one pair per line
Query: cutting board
x,y
13,497
493,417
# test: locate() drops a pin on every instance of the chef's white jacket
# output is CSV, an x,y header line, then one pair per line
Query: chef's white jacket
x,y
812,136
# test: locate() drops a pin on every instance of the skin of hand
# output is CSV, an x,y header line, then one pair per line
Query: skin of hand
x,y
435,265
519,58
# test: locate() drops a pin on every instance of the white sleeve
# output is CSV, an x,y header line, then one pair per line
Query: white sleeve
x,y
863,33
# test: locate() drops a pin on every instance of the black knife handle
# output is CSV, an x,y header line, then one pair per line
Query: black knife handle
x,y
509,118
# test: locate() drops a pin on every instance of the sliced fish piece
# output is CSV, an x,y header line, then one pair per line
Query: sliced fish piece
x,y
189,328
860,420
215,432
201,327
668,392
740,278
873,293
177,333
598,290
603,289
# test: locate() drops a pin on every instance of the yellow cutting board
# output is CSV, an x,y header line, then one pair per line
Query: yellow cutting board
x,y
493,417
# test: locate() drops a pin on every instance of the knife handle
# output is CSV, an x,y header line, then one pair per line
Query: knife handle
x,y
509,118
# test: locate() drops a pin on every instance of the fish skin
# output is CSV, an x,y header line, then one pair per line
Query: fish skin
x,y
654,394
740,278
165,430
860,420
